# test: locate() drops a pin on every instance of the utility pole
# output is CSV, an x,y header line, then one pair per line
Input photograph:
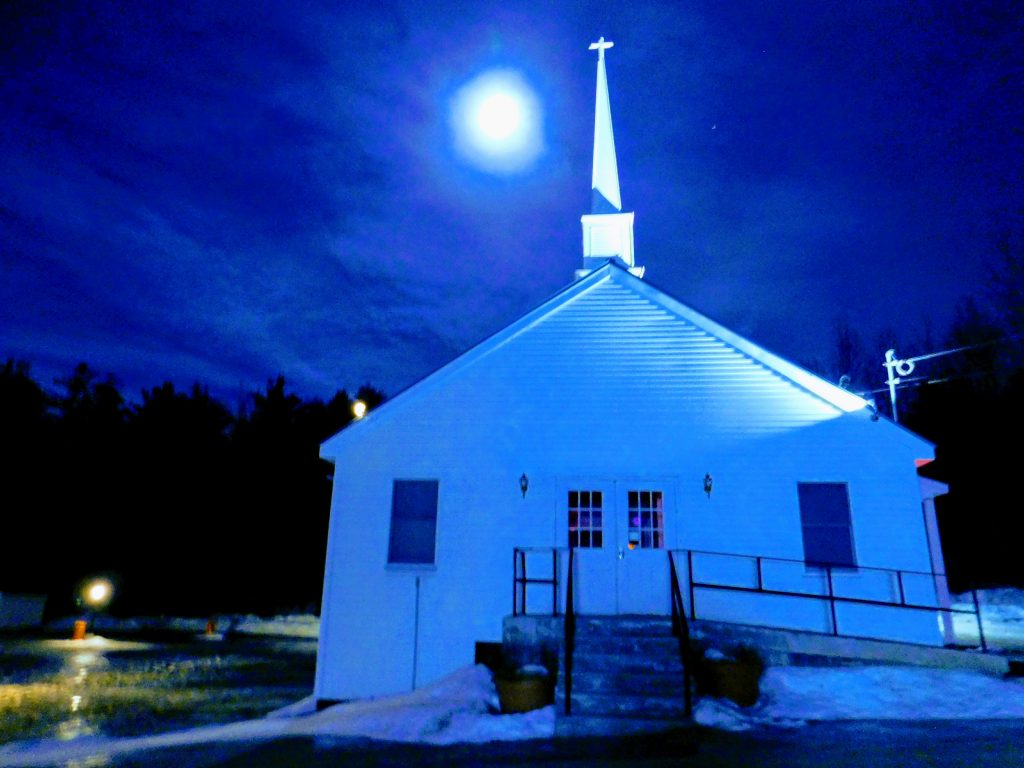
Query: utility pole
x,y
899,369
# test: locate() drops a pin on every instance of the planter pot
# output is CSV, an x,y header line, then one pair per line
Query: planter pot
x,y
735,680
524,695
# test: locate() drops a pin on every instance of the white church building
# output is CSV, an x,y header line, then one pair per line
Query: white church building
x,y
616,420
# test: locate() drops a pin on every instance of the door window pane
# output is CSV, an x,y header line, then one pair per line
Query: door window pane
x,y
646,519
585,519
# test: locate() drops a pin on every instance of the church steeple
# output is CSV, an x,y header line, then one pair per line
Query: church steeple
x,y
607,231
605,180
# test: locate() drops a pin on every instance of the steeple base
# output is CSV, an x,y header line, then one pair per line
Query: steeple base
x,y
608,236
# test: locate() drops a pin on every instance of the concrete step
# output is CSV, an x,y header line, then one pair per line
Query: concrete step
x,y
669,683
626,663
623,705
647,626
625,669
628,644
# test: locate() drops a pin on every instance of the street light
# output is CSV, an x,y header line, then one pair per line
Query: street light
x,y
96,595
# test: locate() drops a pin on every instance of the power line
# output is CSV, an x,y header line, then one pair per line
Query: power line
x,y
899,368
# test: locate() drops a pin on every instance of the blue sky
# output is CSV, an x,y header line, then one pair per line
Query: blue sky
x,y
221,192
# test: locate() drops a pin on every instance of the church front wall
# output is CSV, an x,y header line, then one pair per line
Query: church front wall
x,y
378,618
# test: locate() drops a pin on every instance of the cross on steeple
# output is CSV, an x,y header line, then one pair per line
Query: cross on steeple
x,y
600,46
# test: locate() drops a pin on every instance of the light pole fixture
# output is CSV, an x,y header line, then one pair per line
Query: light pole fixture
x,y
97,594
708,483
524,484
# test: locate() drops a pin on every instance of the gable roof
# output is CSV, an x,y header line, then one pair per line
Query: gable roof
x,y
616,272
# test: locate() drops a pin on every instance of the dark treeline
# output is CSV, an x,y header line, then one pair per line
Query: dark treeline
x,y
188,507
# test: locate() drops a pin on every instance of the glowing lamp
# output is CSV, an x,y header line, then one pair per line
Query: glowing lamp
x,y
359,409
98,593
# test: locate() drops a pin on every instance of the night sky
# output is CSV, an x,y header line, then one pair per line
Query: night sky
x,y
221,192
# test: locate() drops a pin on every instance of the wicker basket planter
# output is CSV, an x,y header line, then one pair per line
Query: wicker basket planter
x,y
735,680
524,694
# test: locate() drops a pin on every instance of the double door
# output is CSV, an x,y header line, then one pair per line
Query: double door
x,y
620,531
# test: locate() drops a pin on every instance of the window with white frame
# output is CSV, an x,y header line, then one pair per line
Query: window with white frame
x,y
646,519
586,519
825,519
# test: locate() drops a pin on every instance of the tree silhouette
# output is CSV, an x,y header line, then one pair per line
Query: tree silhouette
x,y
976,397
192,509
26,466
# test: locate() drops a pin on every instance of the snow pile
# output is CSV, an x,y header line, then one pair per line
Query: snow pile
x,y
729,716
94,643
297,625
790,695
301,625
455,709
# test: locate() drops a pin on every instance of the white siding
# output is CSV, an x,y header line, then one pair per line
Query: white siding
x,y
605,382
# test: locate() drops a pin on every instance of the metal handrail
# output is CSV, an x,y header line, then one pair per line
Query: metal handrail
x,y
681,629
570,633
851,568
520,579
831,595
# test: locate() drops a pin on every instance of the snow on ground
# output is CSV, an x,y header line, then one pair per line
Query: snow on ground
x,y
792,695
297,625
94,643
459,708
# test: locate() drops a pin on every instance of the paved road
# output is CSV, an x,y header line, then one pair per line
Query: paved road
x,y
931,744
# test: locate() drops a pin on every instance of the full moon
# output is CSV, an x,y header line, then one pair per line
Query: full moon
x,y
497,123
498,116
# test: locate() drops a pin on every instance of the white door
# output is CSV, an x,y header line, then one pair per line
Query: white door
x,y
619,533
642,554
589,508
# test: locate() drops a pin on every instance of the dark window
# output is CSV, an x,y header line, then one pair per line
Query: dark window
x,y
413,522
825,518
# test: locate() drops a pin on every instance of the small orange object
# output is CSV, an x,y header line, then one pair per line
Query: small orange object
x,y
211,627
78,633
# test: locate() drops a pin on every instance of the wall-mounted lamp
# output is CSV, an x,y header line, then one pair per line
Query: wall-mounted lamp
x,y
708,482
524,484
